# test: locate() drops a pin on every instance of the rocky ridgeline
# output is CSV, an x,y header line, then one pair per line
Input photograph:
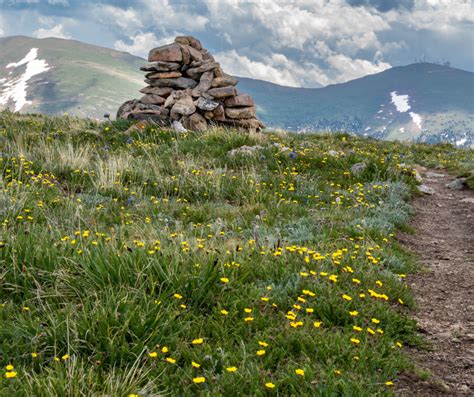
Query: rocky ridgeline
x,y
187,89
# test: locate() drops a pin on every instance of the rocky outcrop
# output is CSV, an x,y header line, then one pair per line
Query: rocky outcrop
x,y
187,88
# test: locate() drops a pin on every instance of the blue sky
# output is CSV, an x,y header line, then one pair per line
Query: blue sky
x,y
291,42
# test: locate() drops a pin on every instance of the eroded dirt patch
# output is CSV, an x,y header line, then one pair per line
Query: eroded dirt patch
x,y
444,243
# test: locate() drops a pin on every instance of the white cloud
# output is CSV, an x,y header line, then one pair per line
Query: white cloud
x,y
353,44
127,20
173,17
277,68
142,43
293,42
147,13
55,31
435,15
345,68
295,24
321,40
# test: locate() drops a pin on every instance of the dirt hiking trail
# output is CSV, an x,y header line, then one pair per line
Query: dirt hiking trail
x,y
444,291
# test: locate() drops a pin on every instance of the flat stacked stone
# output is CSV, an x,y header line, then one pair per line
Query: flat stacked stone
x,y
187,88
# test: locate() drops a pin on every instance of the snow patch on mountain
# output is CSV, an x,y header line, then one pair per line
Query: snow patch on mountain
x,y
402,104
416,119
461,141
15,89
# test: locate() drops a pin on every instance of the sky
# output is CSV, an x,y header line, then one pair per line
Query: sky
x,y
300,43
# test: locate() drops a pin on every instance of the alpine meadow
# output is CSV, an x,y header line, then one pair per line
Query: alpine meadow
x,y
236,198
147,261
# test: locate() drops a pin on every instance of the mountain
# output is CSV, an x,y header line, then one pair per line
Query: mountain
x,y
421,102
56,75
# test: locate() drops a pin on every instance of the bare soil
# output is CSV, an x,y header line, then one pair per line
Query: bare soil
x,y
443,240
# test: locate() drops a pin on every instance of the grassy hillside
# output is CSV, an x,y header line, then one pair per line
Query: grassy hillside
x,y
152,262
442,96
89,81
83,79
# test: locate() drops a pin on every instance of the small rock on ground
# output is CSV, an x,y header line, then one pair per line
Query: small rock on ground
x,y
426,189
457,184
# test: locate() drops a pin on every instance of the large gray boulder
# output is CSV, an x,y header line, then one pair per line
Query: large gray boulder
x,y
166,53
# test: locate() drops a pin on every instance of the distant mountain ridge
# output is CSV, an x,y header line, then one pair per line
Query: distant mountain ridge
x,y
419,102
424,102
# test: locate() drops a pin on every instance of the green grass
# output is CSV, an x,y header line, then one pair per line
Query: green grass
x,y
118,250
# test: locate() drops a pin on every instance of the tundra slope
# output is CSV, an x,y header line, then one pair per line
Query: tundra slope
x,y
89,81
146,261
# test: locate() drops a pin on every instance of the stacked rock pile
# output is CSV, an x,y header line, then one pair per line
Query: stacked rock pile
x,y
187,89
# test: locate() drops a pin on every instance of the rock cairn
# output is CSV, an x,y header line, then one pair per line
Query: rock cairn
x,y
188,90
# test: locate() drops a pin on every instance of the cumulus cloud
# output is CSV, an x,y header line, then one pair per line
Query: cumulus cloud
x,y
384,5
158,15
55,31
293,42
175,16
276,68
307,43
346,68
438,15
293,24
127,20
142,43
